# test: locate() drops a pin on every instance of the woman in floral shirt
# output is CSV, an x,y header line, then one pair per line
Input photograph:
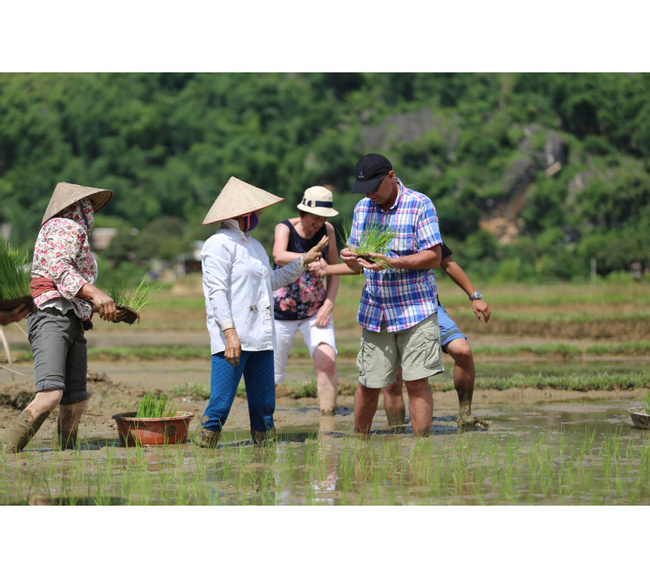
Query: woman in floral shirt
x,y
306,305
63,287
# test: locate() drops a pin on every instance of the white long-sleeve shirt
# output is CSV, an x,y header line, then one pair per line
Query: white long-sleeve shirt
x,y
238,285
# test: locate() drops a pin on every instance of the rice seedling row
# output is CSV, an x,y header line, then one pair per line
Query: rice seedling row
x,y
571,465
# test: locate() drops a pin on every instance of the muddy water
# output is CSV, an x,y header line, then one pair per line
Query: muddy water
x,y
538,450
556,453
546,453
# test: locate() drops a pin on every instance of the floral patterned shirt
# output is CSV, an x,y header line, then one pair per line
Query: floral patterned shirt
x,y
304,297
62,254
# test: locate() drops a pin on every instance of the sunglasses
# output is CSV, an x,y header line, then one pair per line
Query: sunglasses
x,y
378,185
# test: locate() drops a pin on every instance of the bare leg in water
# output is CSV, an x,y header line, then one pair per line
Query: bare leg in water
x,y
31,419
464,375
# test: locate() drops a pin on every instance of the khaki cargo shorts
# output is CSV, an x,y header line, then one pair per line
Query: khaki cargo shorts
x,y
416,349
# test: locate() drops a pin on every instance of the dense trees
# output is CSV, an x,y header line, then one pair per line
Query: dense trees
x,y
561,159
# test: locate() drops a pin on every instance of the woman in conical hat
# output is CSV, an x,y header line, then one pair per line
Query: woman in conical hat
x,y
238,284
64,274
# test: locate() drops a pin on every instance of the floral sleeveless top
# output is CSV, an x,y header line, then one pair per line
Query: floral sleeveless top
x,y
302,298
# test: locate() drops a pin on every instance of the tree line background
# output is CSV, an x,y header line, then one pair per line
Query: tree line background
x,y
535,177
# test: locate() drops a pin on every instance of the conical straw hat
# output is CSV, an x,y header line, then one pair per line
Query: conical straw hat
x,y
238,198
66,194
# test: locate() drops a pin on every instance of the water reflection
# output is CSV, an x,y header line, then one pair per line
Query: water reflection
x,y
550,453
75,501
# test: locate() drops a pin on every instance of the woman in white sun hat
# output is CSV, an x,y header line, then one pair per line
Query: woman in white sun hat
x,y
64,274
306,304
238,285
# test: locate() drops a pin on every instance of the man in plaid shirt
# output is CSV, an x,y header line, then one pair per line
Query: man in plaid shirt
x,y
398,309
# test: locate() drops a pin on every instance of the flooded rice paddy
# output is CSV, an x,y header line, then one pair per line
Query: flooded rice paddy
x,y
547,453
569,442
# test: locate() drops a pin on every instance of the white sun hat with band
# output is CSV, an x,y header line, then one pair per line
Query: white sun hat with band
x,y
66,194
239,198
318,201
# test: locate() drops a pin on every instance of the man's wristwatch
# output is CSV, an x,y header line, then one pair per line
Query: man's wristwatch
x,y
477,295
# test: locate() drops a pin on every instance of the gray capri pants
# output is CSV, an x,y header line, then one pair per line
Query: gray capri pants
x,y
60,353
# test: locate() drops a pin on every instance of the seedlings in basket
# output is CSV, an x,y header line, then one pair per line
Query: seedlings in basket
x,y
376,238
14,278
154,406
129,304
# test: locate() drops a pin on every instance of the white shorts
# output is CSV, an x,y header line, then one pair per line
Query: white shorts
x,y
313,336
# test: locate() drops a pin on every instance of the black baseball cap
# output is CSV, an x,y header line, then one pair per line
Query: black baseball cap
x,y
371,169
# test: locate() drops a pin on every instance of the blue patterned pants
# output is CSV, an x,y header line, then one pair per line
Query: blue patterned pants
x,y
257,369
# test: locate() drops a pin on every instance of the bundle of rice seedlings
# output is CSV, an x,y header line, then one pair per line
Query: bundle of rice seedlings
x,y
376,238
154,406
130,303
14,279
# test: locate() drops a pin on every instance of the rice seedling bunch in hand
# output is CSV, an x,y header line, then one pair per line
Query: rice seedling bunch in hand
x,y
130,303
14,279
154,406
376,238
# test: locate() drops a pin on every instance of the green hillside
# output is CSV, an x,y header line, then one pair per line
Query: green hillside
x,y
534,176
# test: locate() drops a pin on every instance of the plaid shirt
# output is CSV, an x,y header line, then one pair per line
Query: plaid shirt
x,y
404,297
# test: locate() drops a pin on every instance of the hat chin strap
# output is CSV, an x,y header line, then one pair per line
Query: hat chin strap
x,y
251,220
83,214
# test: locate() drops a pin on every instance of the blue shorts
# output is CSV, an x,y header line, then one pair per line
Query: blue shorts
x,y
448,329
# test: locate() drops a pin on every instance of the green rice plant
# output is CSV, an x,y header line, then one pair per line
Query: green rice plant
x,y
376,238
149,353
14,276
600,380
647,402
552,350
630,348
137,299
552,316
190,389
520,465
154,406
305,390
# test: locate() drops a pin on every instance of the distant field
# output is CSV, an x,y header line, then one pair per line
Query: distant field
x,y
567,320
551,336
573,311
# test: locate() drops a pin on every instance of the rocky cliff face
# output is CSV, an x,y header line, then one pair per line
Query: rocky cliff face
x,y
501,215
540,150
